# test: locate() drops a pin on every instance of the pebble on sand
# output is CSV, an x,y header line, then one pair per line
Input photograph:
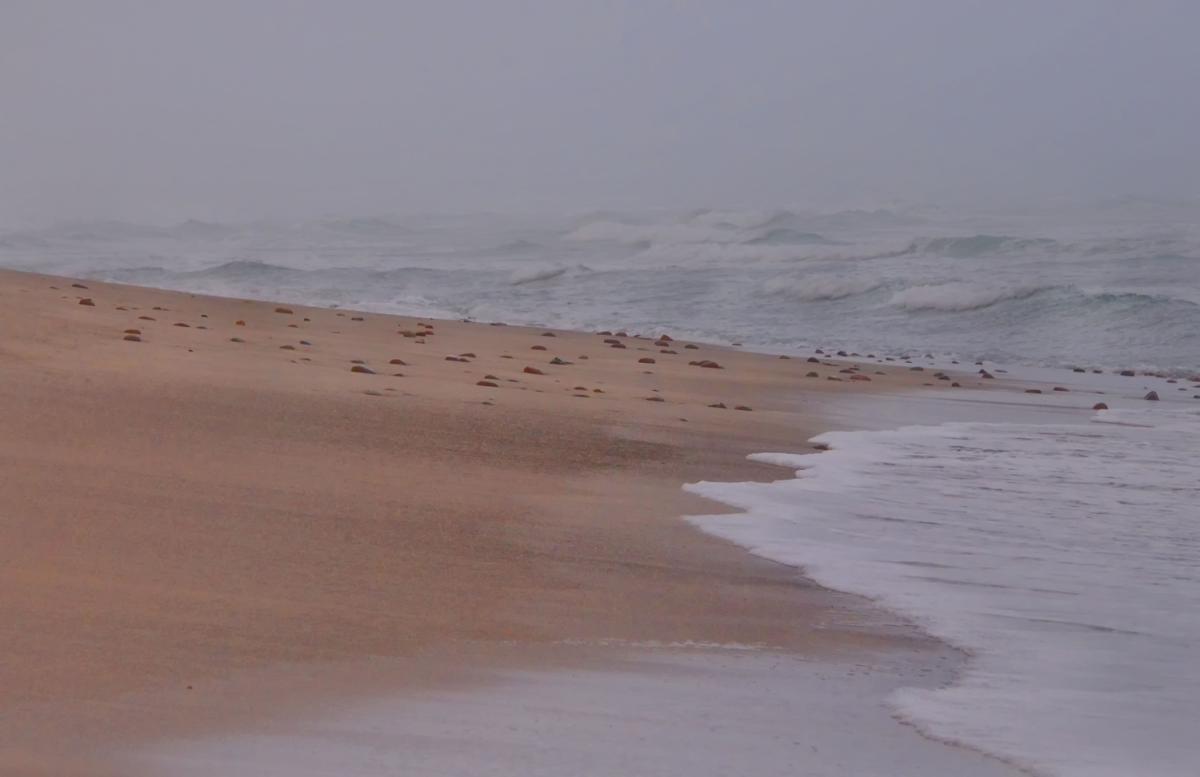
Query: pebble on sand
x,y
692,347
1152,396
132,338
646,360
655,399
718,405
285,311
743,407
487,384
87,301
537,347
532,371
363,369
236,340
401,362
1099,406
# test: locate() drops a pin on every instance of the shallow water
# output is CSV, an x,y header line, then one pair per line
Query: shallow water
x,y
1064,556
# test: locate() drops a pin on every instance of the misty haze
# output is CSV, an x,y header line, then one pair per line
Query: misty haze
x,y
595,388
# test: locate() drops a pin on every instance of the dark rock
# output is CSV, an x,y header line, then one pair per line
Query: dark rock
x,y
533,371
1099,406
363,369
87,301
1152,396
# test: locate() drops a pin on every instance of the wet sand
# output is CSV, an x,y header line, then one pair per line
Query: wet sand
x,y
209,525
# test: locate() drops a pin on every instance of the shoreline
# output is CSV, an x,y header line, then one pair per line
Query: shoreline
x,y
534,497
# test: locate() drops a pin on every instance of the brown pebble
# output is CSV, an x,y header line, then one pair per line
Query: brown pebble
x,y
532,371
1099,406
487,384
133,331
363,369
860,377
689,346
646,360
287,347
401,362
1033,391
132,338
718,405
655,399
743,407
239,322
1061,388
87,301
180,323
236,340
146,318
549,334
1152,396
286,311
813,375
78,286
537,348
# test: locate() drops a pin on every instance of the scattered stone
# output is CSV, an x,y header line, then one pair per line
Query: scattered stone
x,y
538,348
611,341
365,370
285,311
239,322
1033,391
373,393
987,375
781,356
707,363
955,385
532,371
549,334
655,399
1078,369
180,323
132,338
487,384
456,359
236,340
468,355
146,318
668,351
401,362
646,360
87,301
860,377
916,369
617,345
692,347
668,338
78,286
1127,373
287,347
718,405
813,375
1061,388
1099,406
813,360
133,331
305,342
1152,396
356,318
743,407
559,362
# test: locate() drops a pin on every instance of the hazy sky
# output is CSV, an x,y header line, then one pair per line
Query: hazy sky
x,y
160,110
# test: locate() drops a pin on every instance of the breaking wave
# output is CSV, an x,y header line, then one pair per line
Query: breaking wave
x,y
957,296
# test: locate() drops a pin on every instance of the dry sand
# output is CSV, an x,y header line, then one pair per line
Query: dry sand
x,y
182,510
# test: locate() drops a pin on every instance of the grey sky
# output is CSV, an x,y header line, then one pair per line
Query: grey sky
x,y
161,110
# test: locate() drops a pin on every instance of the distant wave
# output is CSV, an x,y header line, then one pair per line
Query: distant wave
x,y
816,288
534,274
977,245
957,296
784,236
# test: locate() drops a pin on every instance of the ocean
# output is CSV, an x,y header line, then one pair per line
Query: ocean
x,y
1060,549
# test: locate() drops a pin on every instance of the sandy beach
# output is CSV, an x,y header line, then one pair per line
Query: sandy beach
x,y
223,515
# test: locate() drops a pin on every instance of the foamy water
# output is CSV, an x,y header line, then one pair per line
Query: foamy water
x,y
1106,288
1064,557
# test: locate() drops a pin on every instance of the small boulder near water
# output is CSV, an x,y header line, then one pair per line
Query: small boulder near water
x,y
285,311
1152,396
1099,406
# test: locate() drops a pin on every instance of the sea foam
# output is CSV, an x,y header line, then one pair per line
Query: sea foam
x,y
1065,558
